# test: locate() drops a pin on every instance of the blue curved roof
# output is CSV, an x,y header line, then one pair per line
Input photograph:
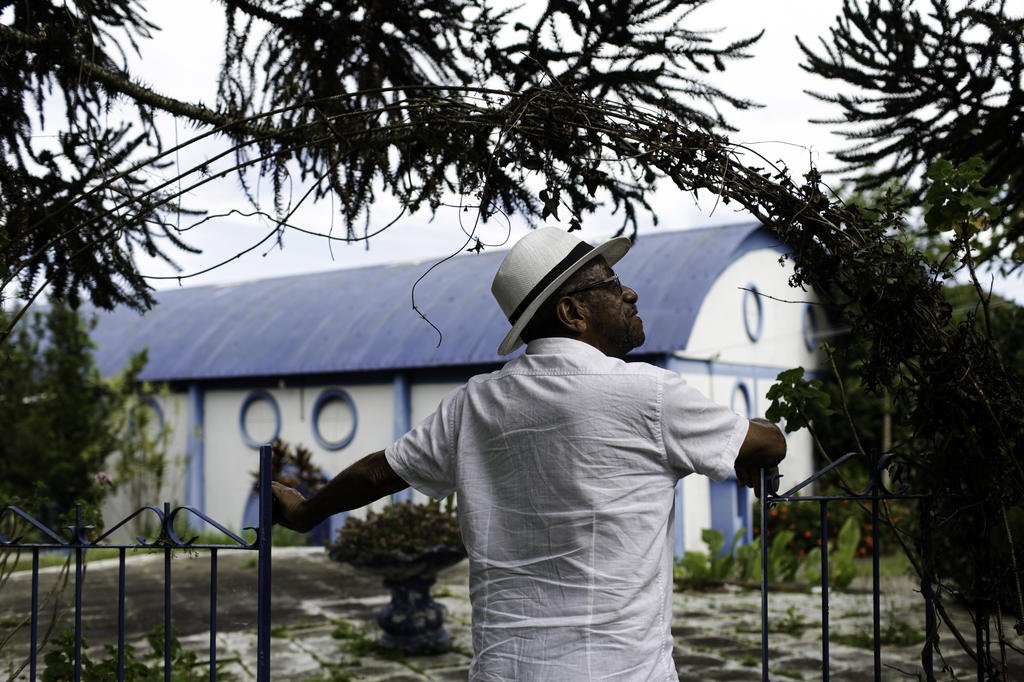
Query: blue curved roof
x,y
361,319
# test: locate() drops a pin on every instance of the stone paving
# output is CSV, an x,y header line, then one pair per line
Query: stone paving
x,y
324,627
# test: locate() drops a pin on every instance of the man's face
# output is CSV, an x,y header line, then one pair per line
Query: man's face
x,y
613,325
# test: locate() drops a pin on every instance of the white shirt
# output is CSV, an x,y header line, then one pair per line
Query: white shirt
x,y
565,462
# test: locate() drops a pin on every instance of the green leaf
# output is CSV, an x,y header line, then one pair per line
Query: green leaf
x,y
796,400
714,539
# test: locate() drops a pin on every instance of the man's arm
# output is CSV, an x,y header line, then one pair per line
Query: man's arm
x,y
369,479
763,448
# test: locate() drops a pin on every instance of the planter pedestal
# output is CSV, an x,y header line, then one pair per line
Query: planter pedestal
x,y
413,622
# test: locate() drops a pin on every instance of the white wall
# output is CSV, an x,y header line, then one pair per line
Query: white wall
x,y
171,413
719,332
230,460
726,364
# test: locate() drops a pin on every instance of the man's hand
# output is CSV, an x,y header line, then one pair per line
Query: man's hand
x,y
751,478
763,448
290,508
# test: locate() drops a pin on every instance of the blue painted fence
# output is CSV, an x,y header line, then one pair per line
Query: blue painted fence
x,y
872,496
78,544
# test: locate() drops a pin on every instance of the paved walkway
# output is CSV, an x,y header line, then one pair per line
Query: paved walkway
x,y
324,627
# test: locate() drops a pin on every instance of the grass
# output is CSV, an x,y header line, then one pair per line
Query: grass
x,y
358,643
333,675
749,661
346,630
50,558
894,632
793,623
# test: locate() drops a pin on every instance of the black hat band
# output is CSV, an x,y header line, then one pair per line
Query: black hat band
x,y
577,252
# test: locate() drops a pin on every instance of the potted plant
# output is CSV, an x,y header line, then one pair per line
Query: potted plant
x,y
406,545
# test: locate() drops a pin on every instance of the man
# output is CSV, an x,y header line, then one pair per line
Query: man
x,y
565,463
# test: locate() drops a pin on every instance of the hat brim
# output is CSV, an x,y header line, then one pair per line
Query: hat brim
x,y
612,250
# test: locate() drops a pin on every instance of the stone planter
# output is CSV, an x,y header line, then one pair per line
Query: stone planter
x,y
412,623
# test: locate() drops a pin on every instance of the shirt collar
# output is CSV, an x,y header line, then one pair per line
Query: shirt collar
x,y
559,345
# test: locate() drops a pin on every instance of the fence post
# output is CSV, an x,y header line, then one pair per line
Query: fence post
x,y
764,574
927,655
77,541
34,626
263,538
167,522
121,554
876,587
824,592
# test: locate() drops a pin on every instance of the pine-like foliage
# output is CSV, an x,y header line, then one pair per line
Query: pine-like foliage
x,y
59,197
56,411
915,85
341,91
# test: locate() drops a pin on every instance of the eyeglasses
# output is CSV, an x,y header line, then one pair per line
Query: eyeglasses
x,y
614,279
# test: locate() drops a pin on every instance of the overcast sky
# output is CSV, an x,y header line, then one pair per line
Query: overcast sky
x,y
183,60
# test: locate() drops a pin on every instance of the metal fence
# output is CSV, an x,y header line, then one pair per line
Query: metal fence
x,y
873,495
78,545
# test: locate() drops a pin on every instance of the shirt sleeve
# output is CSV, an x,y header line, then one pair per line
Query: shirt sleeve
x,y
425,456
700,435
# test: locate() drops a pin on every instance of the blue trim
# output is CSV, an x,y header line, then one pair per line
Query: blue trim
x,y
745,514
402,422
403,406
754,330
731,510
809,327
326,396
743,391
246,404
731,369
195,451
692,366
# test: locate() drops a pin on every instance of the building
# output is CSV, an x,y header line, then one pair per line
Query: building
x,y
340,361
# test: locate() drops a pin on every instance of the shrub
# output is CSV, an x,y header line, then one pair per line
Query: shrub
x,y
401,529
701,570
803,521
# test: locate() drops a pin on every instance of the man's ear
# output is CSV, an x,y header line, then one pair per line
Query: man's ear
x,y
572,314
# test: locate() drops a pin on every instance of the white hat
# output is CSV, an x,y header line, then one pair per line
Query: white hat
x,y
536,266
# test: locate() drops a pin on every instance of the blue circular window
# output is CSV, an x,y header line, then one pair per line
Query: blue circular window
x,y
741,403
259,420
334,419
147,414
753,313
810,327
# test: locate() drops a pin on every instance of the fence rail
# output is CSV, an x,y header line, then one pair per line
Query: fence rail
x,y
874,493
78,544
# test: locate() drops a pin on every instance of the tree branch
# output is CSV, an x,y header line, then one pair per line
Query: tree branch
x,y
120,84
